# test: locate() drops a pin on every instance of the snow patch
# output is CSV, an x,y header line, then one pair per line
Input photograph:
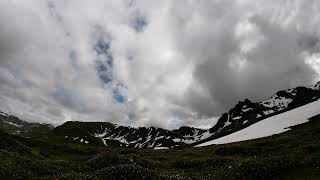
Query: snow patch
x,y
100,135
268,112
277,101
157,138
196,137
104,142
246,110
13,124
157,148
272,125
4,114
121,139
236,118
227,123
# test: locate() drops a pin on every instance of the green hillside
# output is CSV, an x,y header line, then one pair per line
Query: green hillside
x,y
291,155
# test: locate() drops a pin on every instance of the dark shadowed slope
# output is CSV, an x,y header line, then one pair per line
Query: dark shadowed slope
x,y
16,126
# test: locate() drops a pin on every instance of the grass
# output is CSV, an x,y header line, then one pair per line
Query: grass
x,y
294,154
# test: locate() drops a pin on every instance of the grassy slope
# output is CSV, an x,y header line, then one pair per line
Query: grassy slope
x,y
291,155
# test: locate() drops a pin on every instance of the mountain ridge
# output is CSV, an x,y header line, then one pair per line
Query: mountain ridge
x,y
105,134
248,113
13,125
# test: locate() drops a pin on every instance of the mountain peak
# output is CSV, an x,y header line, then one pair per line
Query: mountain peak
x,y
316,86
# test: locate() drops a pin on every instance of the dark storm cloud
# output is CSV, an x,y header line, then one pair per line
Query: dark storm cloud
x,y
233,66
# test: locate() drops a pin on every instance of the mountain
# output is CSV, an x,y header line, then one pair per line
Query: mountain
x,y
107,134
246,113
77,150
270,126
16,126
104,134
241,116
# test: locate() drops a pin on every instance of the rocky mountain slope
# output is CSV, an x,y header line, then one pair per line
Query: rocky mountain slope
x,y
270,126
246,113
16,126
107,134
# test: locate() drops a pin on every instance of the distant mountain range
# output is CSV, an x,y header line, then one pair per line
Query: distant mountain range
x,y
16,126
242,115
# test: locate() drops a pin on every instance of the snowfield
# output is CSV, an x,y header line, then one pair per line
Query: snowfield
x,y
158,148
270,126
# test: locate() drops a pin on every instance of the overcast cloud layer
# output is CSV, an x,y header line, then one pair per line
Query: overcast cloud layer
x,y
152,63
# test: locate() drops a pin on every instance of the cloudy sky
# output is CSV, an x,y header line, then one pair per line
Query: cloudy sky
x,y
151,63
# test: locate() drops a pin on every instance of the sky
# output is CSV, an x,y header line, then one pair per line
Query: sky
x,y
152,63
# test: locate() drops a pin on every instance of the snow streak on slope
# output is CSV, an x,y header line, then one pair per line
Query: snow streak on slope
x,y
278,102
273,125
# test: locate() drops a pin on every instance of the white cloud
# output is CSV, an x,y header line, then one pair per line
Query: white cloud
x,y
180,63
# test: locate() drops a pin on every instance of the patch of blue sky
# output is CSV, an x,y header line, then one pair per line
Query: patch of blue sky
x,y
104,72
102,47
104,61
104,68
118,96
138,22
